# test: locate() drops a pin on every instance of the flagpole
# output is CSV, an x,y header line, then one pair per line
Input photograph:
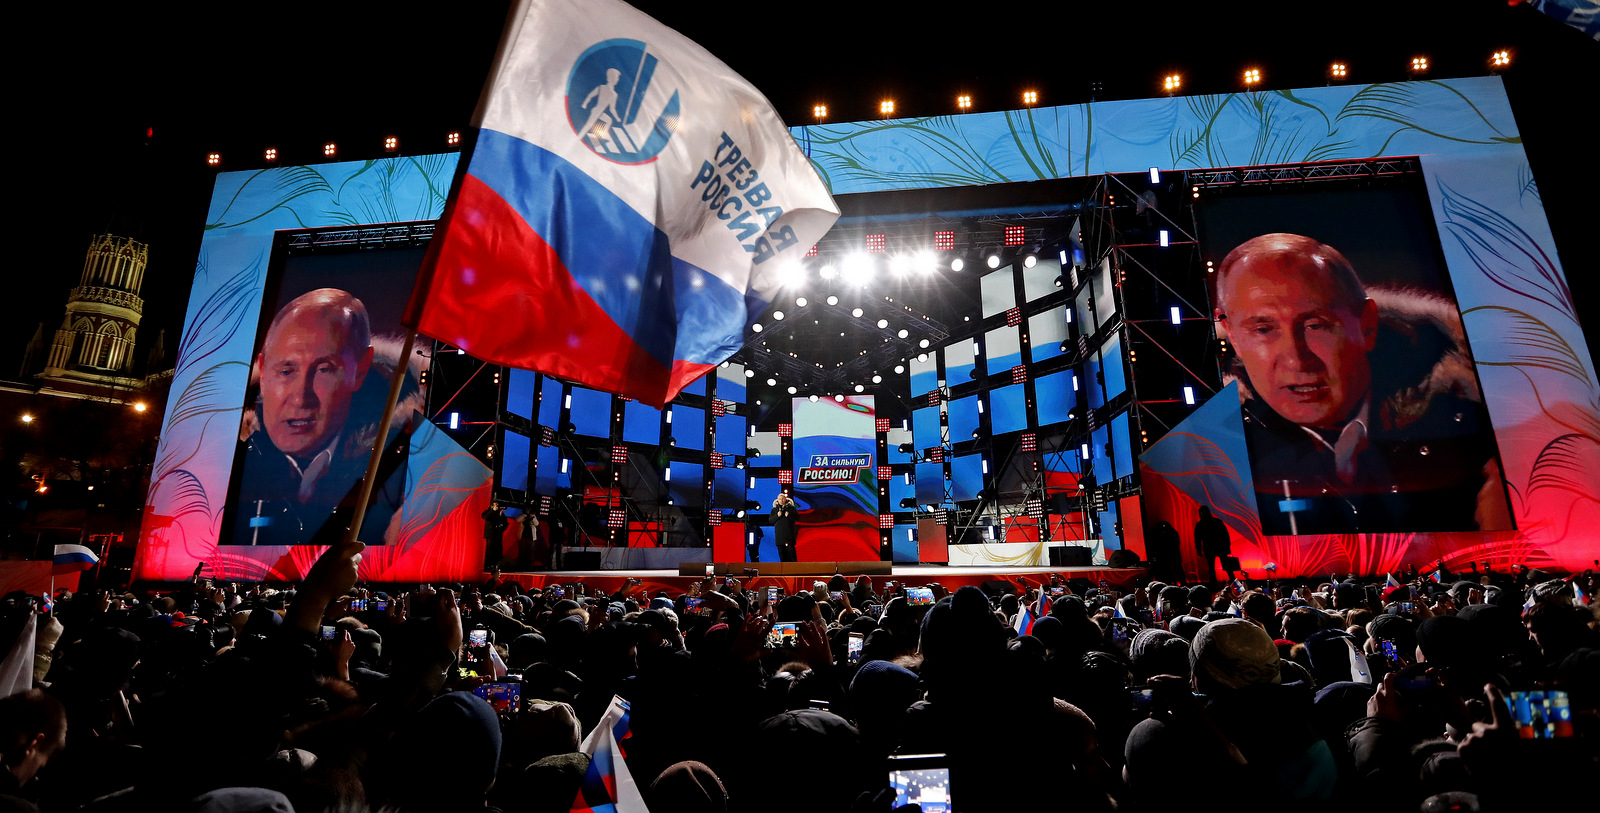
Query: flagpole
x,y
396,382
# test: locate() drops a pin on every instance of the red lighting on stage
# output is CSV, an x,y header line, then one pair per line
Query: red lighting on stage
x,y
1030,442
944,240
1015,235
812,252
886,520
1019,374
885,473
876,243
1252,76
882,424
785,430
617,519
786,476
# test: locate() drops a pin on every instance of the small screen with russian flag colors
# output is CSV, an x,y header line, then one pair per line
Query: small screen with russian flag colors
x,y
835,479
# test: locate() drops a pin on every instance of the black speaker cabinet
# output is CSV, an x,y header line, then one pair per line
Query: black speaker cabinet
x,y
1069,556
581,560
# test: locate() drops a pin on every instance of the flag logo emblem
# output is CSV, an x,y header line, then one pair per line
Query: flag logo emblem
x,y
619,105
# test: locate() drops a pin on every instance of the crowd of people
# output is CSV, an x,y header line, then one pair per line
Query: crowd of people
x,y
1062,694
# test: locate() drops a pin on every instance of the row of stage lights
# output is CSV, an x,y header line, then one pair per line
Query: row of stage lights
x,y
1172,84
330,149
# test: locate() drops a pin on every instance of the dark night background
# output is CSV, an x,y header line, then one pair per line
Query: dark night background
x,y
237,78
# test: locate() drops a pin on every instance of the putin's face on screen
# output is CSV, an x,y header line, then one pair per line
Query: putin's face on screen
x,y
1301,325
313,361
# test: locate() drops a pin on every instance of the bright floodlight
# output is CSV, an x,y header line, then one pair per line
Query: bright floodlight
x,y
1155,175
1176,318
899,369
828,271
856,312
877,379
800,303
922,357
1252,76
747,374
859,388
994,261
792,391
924,343
1165,238
756,327
956,264
904,333
900,264
1188,395
833,300
1085,451
772,382
778,315
857,268
883,323
886,107
819,111
924,261
455,420
838,398
1030,261
813,399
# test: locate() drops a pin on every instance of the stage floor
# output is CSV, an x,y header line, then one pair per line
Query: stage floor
x,y
948,576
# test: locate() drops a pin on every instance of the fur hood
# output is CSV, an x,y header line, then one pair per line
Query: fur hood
x,y
1420,355
357,438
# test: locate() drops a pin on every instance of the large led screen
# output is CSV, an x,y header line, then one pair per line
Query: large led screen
x,y
1363,412
836,479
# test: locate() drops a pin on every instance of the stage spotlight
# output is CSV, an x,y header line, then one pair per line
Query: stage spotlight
x,y
828,271
923,343
747,374
922,357
925,261
883,323
26,418
777,315
899,369
792,390
839,398
800,302
1338,71
772,382
1030,97
330,149
856,312
813,399
900,264
1500,59
140,406
1172,82
908,502
857,268
270,155
877,379
1030,261
993,261
886,107
391,144
963,102
1419,64
453,138
756,327
905,448
1252,76
819,111
1060,280
739,514
957,264
213,159
859,388
904,333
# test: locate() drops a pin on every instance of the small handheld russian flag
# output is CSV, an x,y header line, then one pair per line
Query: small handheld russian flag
x,y
1391,581
72,558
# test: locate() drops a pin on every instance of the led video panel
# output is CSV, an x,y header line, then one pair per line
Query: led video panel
x,y
1003,349
1046,332
514,460
521,390
998,291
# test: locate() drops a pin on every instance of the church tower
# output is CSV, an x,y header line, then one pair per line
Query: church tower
x,y
94,345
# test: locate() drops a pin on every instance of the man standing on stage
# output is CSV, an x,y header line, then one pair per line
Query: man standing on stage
x,y
784,515
1212,542
494,529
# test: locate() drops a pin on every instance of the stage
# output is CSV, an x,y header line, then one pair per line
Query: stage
x,y
949,577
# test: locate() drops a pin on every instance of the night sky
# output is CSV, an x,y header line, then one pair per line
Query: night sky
x,y
240,77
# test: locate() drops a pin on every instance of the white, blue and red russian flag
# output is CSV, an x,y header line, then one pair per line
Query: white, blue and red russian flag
x,y
607,786
72,558
630,206
1391,581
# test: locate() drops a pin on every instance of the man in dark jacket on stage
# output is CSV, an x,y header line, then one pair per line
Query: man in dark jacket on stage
x,y
1212,542
784,515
